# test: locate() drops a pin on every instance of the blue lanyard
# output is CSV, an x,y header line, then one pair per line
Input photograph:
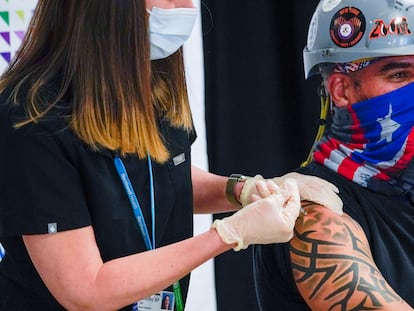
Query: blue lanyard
x,y
133,200
139,216
2,252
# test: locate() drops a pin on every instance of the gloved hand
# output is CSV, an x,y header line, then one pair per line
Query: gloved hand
x,y
266,220
311,188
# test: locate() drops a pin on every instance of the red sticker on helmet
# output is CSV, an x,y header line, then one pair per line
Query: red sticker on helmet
x,y
397,26
347,27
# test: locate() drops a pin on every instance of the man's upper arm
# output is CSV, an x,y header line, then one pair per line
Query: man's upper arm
x,y
333,266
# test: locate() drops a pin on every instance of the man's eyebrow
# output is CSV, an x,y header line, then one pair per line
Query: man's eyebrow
x,y
395,65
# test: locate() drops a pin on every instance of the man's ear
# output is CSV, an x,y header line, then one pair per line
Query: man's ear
x,y
339,87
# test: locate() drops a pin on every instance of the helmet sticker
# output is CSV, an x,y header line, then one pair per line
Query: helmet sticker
x,y
397,26
404,5
329,5
313,27
347,27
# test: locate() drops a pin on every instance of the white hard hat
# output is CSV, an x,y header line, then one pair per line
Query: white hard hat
x,y
344,31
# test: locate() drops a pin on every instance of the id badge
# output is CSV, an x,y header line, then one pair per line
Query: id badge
x,y
161,301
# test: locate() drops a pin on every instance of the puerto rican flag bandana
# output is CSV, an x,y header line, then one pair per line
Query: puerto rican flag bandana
x,y
372,142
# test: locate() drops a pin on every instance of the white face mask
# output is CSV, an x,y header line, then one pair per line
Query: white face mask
x,y
169,29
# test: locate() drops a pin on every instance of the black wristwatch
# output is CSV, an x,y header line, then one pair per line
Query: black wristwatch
x,y
231,183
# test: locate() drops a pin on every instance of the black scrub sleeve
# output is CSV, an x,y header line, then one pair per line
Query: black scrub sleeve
x,y
40,188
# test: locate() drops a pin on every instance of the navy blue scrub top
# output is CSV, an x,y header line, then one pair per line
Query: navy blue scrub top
x,y
49,177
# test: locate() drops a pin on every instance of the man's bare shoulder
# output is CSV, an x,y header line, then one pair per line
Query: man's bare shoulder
x,y
333,266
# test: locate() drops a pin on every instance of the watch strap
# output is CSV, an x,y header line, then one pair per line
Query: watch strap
x,y
231,183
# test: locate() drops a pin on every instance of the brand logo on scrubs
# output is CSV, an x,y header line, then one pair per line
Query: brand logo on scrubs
x,y
347,27
52,227
179,159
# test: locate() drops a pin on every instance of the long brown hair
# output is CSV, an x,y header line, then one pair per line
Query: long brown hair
x,y
98,51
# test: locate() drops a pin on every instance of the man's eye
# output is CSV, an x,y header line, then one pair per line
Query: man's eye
x,y
400,75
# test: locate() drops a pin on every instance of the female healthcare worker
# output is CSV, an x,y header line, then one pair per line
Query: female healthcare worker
x,y
97,192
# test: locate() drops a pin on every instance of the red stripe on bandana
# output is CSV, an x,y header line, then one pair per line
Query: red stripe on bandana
x,y
358,133
348,168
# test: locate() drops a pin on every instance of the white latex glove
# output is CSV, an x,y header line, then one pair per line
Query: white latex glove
x,y
267,220
311,188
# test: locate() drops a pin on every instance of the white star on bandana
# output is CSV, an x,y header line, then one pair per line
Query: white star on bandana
x,y
388,126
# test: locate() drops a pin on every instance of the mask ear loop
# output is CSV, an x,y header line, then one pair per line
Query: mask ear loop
x,y
325,105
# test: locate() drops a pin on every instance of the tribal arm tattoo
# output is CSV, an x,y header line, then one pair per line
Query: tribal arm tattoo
x,y
333,266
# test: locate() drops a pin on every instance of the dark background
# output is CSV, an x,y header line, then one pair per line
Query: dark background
x,y
261,114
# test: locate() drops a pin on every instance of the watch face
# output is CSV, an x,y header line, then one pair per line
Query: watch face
x,y
239,177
